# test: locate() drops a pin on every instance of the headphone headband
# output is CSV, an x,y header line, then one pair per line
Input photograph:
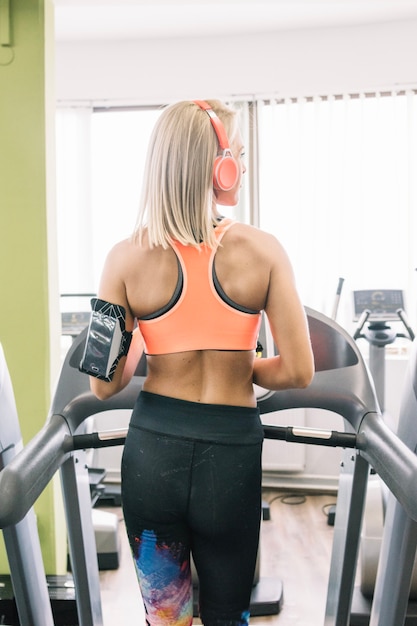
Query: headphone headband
x,y
225,168
216,123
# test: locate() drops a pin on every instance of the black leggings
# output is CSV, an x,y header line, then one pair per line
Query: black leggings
x,y
191,481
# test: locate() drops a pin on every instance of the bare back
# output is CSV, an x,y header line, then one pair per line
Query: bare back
x,y
253,271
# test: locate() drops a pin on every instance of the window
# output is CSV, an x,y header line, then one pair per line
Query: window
x,y
100,162
119,142
100,159
338,187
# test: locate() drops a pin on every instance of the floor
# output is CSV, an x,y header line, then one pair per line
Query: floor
x,y
295,549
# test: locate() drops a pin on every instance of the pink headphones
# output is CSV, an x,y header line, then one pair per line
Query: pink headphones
x,y
226,169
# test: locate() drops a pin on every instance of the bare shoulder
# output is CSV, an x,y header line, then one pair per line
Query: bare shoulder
x,y
129,255
259,242
123,249
121,261
251,233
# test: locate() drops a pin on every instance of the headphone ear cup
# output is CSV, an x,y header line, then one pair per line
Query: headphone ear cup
x,y
225,173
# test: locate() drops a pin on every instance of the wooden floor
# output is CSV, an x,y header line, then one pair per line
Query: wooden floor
x,y
295,548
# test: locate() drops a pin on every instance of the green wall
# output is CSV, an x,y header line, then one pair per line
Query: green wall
x,y
27,263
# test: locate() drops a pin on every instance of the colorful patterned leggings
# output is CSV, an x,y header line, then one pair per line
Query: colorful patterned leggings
x,y
191,482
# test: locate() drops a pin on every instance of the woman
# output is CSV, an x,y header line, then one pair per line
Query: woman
x,y
196,284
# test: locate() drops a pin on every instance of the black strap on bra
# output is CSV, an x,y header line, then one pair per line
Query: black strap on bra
x,y
173,300
227,300
178,290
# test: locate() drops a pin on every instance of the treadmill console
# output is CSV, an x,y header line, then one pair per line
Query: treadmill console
x,y
383,304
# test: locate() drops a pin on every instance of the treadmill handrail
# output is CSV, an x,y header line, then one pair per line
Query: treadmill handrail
x,y
26,476
391,459
347,392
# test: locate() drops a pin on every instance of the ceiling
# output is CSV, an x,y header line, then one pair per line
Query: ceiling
x,y
77,20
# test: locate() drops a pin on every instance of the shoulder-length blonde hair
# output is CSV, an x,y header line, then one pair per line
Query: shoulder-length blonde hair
x,y
177,199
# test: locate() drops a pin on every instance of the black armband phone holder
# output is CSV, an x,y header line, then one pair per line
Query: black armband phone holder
x,y
107,340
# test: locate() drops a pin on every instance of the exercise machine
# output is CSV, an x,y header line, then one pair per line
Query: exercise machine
x,y
375,309
105,523
21,539
389,568
378,313
341,384
396,576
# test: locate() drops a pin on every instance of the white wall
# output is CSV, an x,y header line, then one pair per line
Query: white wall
x,y
303,62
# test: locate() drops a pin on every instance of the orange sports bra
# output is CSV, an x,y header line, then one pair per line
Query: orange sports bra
x,y
199,315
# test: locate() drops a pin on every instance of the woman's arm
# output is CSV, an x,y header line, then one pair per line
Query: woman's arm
x,y
294,367
112,289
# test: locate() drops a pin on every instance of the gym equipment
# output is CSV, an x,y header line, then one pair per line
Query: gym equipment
x,y
105,523
21,539
106,533
348,389
225,169
341,384
378,307
396,570
72,404
74,321
337,298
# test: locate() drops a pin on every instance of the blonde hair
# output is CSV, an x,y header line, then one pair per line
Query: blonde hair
x,y
177,198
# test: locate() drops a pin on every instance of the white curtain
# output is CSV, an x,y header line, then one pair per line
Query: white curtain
x,y
119,141
338,188
74,223
100,158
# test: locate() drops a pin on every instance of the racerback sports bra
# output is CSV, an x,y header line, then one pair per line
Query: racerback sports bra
x,y
199,315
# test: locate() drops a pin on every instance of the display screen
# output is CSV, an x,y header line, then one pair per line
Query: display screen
x,y
382,303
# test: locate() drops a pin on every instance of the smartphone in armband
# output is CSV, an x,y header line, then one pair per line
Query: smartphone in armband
x,y
107,340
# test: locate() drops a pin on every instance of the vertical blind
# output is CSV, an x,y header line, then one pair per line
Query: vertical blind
x,y
337,180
